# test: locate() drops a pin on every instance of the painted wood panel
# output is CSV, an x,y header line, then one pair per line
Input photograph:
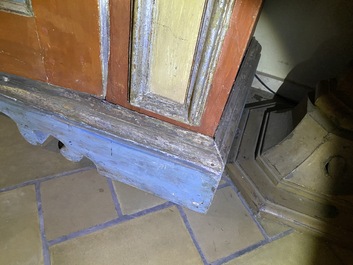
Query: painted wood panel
x,y
60,44
239,31
118,74
175,28
20,49
70,38
22,7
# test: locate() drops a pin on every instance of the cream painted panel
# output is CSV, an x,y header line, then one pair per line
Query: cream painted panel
x,y
175,28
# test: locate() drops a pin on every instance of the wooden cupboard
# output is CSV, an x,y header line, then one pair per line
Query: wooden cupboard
x,y
155,75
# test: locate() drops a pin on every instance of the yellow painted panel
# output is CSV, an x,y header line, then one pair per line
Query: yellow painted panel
x,y
175,28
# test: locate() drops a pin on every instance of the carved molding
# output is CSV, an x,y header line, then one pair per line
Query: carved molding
x,y
23,7
104,27
214,25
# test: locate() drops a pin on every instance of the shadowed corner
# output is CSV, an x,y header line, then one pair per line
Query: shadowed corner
x,y
300,168
327,172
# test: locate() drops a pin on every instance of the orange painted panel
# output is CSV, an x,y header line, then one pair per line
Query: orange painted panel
x,y
20,51
69,34
242,25
118,77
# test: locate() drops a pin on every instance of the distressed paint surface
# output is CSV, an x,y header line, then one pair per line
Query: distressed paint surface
x,y
175,28
208,36
60,44
21,7
175,164
70,40
20,48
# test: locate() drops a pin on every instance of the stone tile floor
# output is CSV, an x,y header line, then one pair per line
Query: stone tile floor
x,y
53,211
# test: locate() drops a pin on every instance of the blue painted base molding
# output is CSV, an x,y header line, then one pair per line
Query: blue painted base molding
x,y
173,163
154,156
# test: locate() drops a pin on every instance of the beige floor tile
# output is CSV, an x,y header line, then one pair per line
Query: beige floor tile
x,y
75,202
294,249
21,161
133,200
271,227
226,228
20,241
154,239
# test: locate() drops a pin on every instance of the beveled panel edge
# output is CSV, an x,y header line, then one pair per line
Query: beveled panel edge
x,y
24,9
214,26
214,30
104,27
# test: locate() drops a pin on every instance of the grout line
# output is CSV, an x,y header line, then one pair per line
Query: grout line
x,y
280,235
192,235
262,230
110,223
114,197
252,247
50,177
240,253
226,178
223,186
45,246
245,204
237,191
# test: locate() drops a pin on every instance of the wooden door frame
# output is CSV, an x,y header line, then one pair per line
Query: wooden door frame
x,y
243,19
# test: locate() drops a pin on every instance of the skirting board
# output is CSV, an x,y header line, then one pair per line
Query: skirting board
x,y
178,165
175,164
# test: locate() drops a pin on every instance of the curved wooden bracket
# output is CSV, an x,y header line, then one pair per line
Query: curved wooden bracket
x,y
32,136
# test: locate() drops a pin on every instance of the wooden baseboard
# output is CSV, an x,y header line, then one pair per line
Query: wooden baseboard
x,y
178,165
173,163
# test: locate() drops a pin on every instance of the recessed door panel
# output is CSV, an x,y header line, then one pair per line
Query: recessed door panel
x,y
175,48
175,28
56,41
20,49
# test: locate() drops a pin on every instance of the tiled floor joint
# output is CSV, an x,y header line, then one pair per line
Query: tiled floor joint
x,y
110,223
46,255
46,178
192,235
114,198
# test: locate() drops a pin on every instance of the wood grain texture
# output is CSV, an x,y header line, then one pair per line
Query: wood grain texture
x,y
232,113
118,76
20,50
244,17
69,35
175,28
59,45
152,155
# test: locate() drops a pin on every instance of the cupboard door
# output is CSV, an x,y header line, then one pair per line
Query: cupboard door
x,y
182,57
56,41
20,49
